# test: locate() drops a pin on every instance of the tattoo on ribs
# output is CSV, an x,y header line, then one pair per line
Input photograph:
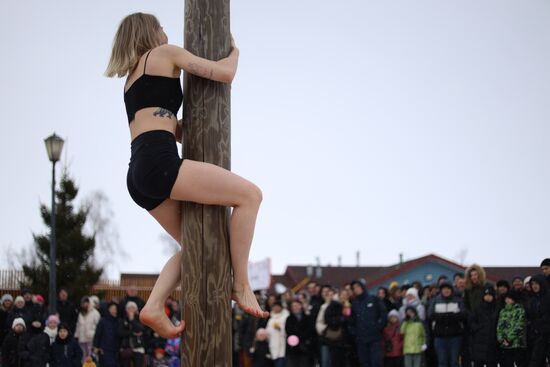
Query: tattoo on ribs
x,y
163,112
201,70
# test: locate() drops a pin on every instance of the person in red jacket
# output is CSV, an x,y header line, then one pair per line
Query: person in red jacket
x,y
393,341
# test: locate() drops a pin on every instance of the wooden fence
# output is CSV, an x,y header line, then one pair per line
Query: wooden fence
x,y
108,290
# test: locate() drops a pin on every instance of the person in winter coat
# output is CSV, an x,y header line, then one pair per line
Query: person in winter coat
x,y
446,318
411,299
36,352
68,312
277,334
14,344
130,331
51,329
538,321
511,334
321,326
367,323
6,304
65,351
299,337
260,350
483,326
393,341
88,318
475,285
106,339
414,338
19,311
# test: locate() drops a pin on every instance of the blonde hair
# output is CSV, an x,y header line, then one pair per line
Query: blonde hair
x,y
136,34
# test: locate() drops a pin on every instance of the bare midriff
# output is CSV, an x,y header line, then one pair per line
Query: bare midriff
x,y
146,121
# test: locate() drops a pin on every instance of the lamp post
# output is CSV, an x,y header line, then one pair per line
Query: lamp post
x,y
54,145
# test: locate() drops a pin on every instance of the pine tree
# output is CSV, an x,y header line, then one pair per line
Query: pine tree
x,y
76,270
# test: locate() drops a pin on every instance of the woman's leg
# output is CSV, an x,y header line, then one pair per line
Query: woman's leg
x,y
206,183
168,214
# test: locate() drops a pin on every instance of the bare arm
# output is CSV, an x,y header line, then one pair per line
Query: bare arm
x,y
221,71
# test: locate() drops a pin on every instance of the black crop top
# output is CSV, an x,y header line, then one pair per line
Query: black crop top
x,y
153,91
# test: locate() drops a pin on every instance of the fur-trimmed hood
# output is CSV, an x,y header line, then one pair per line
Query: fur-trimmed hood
x,y
480,272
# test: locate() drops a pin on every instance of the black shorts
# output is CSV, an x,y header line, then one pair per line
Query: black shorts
x,y
153,168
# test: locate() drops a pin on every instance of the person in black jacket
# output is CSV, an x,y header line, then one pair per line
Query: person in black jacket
x,y
19,311
14,344
65,351
6,304
447,318
68,313
106,339
483,328
130,331
368,319
298,325
36,351
538,321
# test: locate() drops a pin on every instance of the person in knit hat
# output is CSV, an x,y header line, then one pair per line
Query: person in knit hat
x,y
10,348
19,311
411,299
447,317
6,304
393,341
51,327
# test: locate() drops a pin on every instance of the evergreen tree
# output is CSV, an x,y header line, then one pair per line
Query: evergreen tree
x,y
76,270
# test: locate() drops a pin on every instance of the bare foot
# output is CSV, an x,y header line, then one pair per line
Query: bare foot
x,y
246,300
157,320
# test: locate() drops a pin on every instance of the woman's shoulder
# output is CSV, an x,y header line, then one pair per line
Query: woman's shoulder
x,y
166,49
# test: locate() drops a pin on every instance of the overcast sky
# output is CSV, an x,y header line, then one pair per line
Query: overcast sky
x,y
374,126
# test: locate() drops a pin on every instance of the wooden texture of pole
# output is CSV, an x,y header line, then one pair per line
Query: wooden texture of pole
x,y
206,266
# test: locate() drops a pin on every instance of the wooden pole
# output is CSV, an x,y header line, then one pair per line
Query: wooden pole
x,y
206,265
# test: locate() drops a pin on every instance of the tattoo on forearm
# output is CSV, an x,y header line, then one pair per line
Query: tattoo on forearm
x,y
163,112
201,71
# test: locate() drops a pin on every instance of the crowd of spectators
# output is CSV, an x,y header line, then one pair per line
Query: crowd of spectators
x,y
466,322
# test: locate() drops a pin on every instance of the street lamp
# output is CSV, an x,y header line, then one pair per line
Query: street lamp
x,y
54,145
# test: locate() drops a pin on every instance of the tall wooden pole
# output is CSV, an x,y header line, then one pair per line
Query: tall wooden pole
x,y
206,266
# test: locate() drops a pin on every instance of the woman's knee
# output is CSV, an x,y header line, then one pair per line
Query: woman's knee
x,y
252,195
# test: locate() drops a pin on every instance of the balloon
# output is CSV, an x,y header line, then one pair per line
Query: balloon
x,y
293,340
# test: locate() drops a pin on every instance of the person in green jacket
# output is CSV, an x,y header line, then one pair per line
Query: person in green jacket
x,y
511,332
414,334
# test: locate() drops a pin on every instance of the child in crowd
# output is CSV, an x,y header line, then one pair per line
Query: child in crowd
x,y
11,346
511,332
393,341
260,350
65,350
414,334
159,359
172,349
